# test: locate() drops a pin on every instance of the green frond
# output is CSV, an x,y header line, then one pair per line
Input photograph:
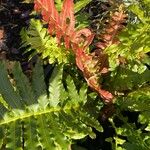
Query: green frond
x,y
83,93
137,137
1,136
75,97
32,119
23,86
30,133
55,86
7,90
138,100
124,79
81,4
39,88
13,135
3,102
37,38
134,40
3,110
73,94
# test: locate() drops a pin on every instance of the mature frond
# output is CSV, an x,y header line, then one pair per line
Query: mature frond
x,y
137,100
27,112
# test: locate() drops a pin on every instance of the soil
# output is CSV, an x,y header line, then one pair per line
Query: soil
x,y
13,16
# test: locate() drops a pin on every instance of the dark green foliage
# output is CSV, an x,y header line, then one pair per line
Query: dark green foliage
x,y
27,112
124,79
131,135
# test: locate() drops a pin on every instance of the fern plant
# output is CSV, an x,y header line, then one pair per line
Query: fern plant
x,y
134,40
32,117
132,135
70,40
129,77
125,41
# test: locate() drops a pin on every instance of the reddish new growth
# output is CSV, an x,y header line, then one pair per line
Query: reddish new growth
x,y
114,26
62,25
108,37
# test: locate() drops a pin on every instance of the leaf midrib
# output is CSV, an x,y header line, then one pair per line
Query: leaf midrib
x,y
38,113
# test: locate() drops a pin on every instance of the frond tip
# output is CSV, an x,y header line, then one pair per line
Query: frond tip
x,y
37,40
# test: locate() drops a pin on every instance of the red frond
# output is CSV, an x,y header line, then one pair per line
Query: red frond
x,y
83,37
63,27
67,17
49,13
114,26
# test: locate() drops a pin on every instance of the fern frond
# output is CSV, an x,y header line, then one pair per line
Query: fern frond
x,y
113,27
7,91
134,44
135,138
62,26
33,114
81,4
39,88
55,86
128,134
137,100
124,79
23,86
37,39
